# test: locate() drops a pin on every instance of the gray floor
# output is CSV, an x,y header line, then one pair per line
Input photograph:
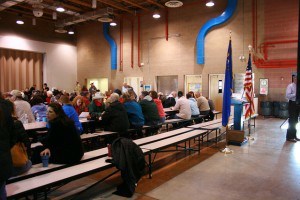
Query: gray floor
x,y
267,167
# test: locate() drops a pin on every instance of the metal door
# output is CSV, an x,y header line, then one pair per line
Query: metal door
x,y
216,86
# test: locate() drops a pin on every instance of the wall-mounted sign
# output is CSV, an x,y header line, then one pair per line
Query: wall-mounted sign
x,y
147,88
263,86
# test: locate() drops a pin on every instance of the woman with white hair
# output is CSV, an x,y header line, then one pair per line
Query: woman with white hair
x,y
115,116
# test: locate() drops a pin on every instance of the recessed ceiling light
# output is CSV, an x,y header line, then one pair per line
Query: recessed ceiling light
x,y
19,21
113,23
210,4
60,9
156,15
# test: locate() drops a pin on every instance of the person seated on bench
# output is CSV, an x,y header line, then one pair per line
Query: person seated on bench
x,y
114,118
193,105
97,106
6,142
134,113
159,106
150,112
203,105
183,105
71,112
20,137
170,101
211,108
62,144
79,105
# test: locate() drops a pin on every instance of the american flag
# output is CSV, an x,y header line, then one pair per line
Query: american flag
x,y
248,89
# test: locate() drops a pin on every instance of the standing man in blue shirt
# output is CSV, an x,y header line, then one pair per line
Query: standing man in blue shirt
x,y
291,89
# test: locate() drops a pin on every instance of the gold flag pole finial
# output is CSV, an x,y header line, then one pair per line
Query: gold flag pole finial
x,y
250,48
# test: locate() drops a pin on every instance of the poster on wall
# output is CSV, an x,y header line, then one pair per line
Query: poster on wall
x,y
195,87
263,86
147,88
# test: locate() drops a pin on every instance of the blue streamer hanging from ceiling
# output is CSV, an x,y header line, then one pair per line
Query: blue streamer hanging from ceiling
x,y
113,46
225,16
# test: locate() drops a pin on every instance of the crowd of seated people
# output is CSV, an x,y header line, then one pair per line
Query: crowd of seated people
x,y
113,111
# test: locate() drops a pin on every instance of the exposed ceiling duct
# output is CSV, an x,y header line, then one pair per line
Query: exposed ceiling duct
x,y
6,4
103,15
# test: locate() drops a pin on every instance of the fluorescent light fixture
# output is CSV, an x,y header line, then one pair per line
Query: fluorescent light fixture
x,y
210,4
156,15
60,9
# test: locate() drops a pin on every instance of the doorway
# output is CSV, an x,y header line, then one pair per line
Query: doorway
x,y
216,85
167,84
136,83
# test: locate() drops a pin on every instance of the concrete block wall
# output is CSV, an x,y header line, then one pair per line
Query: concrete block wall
x,y
177,56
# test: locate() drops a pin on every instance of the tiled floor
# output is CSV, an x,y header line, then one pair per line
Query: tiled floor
x,y
265,168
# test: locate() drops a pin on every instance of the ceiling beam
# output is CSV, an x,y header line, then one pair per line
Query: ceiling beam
x,y
155,3
27,15
136,5
114,5
82,3
65,6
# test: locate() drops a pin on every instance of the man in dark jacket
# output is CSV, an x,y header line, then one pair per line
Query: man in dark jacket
x,y
150,113
6,142
149,109
115,116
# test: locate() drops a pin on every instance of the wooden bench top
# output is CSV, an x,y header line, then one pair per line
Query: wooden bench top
x,y
172,140
204,124
38,169
161,136
32,184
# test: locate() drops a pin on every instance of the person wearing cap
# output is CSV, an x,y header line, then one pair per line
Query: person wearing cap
x,y
291,134
71,112
92,89
97,105
23,108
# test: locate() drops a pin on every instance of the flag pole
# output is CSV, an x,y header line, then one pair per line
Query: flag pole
x,y
227,150
251,99
227,95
